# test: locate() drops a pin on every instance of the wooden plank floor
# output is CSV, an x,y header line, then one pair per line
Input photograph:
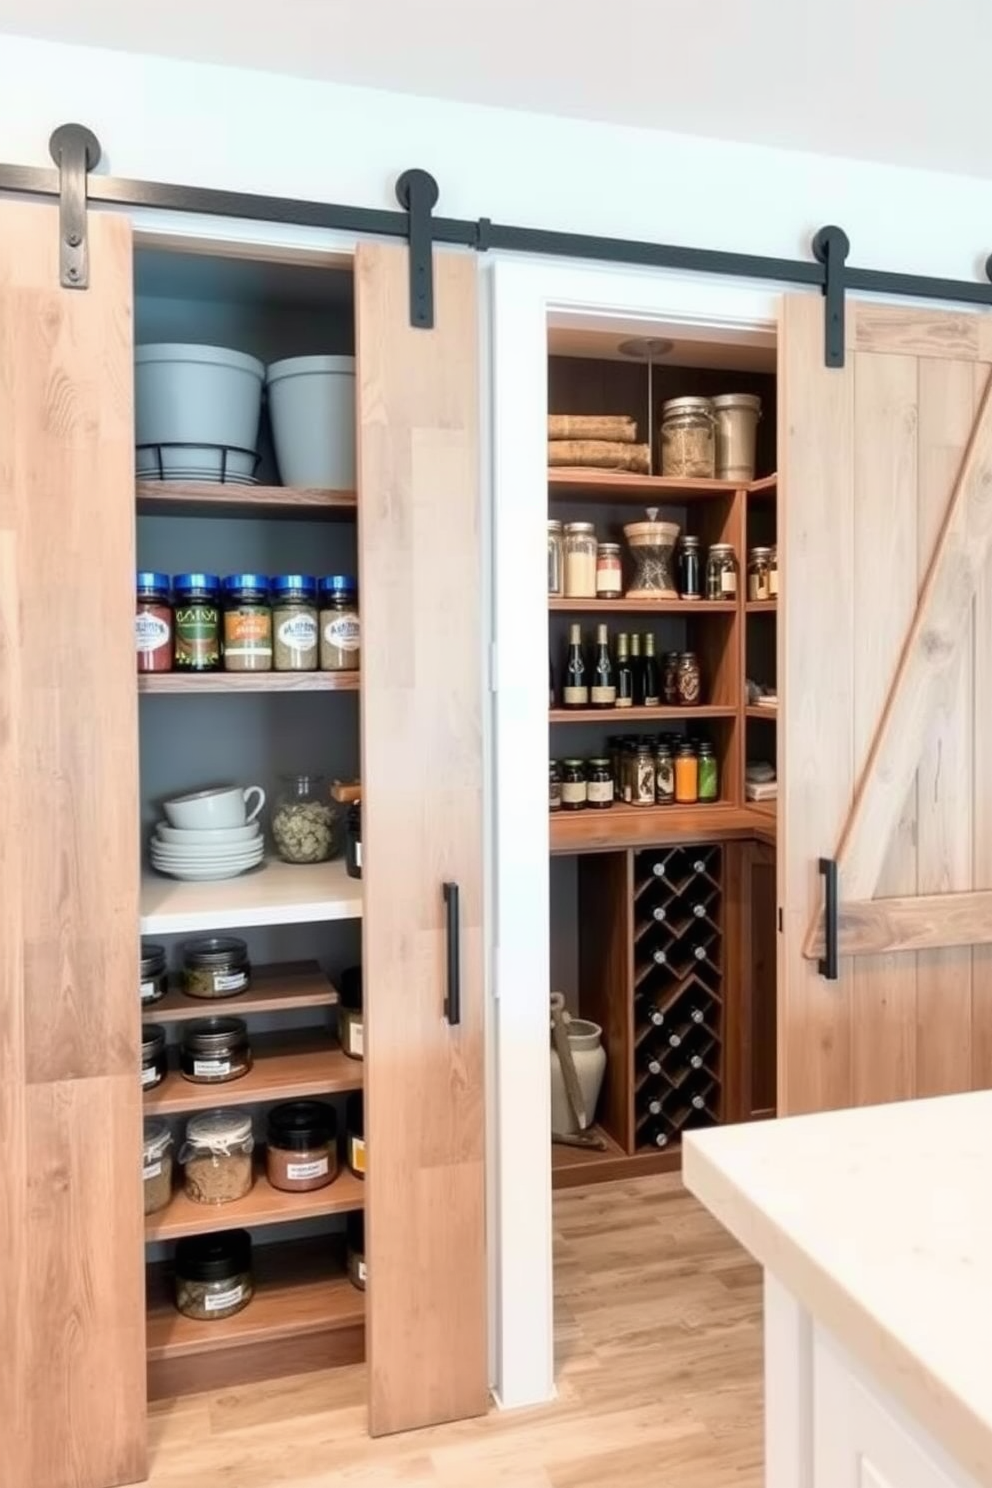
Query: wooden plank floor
x,y
659,1350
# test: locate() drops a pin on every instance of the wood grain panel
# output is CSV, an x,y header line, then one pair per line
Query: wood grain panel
x,y
815,744
606,981
912,330
419,558
71,1296
981,957
883,988
916,923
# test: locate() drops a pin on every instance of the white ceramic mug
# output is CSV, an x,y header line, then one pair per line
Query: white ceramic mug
x,y
226,807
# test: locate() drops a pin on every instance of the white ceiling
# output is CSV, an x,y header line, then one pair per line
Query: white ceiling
x,y
904,81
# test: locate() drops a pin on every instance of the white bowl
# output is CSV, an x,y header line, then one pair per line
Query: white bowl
x,y
187,855
225,806
201,875
206,836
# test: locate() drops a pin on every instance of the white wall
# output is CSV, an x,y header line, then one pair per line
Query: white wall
x,y
210,126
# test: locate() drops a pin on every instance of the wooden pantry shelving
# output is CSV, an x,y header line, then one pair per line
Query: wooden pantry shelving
x,y
684,608
228,499
178,683
274,989
761,606
571,1167
276,893
287,1066
753,710
264,1205
632,490
632,826
632,716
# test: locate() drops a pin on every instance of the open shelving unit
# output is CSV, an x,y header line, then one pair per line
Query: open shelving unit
x,y
235,682
275,893
286,1066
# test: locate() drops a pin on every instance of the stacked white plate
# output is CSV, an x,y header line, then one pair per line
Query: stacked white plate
x,y
203,853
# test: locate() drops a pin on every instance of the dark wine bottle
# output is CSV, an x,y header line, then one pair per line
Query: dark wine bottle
x,y
624,677
650,675
637,669
603,693
655,1134
648,1104
575,692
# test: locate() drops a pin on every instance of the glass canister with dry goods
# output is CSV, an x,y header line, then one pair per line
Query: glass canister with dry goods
x,y
721,572
688,441
351,1024
214,1050
736,418
664,774
609,572
599,784
709,773
689,680
574,790
295,629
759,572
213,1275
301,1151
340,627
156,1165
304,819
216,1157
247,623
556,558
154,1060
216,966
153,976
580,560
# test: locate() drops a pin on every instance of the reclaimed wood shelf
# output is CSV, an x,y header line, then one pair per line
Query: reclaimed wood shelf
x,y
264,1205
219,499
627,489
287,1066
766,486
573,1166
646,826
686,607
634,715
761,606
234,682
294,984
768,714
275,893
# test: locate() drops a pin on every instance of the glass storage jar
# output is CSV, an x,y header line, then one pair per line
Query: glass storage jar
x,y
736,418
213,1275
294,623
721,572
153,977
709,773
353,840
643,791
556,558
664,775
340,632
156,1165
759,570
216,1157
351,1026
355,1117
689,680
214,1050
573,785
652,550
304,819
301,1151
153,621
773,573
357,1271
247,623
216,966
196,620
670,679
554,786
580,560
686,775
599,784
690,569
609,573
688,443
154,1061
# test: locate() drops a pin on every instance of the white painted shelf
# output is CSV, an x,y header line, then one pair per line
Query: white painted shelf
x,y
275,894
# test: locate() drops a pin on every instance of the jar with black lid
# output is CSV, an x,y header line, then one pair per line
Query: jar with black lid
x,y
574,791
690,569
213,1275
214,1050
355,1111
357,1272
351,1028
216,966
353,841
302,1146
247,623
554,786
197,622
154,979
599,784
154,1061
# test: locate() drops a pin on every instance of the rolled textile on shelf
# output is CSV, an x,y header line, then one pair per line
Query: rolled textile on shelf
x,y
599,454
616,426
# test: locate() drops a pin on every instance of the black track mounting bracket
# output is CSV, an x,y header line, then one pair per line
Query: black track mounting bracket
x,y
76,151
831,246
827,965
417,193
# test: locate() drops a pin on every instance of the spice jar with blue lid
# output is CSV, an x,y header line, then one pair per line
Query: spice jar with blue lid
x,y
247,623
294,623
340,638
197,622
153,622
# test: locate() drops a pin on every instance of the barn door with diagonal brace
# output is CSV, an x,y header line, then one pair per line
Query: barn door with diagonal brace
x,y
885,667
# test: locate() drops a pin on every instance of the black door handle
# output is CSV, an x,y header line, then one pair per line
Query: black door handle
x,y
453,1001
827,965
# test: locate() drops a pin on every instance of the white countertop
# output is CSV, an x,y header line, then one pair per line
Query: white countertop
x,y
879,1222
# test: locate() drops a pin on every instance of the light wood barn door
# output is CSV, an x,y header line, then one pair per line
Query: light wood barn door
x,y
420,563
72,1344
885,666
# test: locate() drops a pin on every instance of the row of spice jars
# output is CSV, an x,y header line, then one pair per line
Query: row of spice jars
x,y
211,1052
213,966
247,623
638,772
582,567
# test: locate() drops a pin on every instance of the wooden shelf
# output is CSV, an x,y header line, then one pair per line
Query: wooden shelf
x,y
761,606
300,1288
215,499
572,1166
686,607
626,489
638,715
764,487
646,826
768,714
184,682
296,984
276,893
287,1066
263,1206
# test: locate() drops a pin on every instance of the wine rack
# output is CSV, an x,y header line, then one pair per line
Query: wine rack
x,y
678,992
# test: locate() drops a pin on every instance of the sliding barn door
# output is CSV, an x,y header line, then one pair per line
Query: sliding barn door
x,y
72,1354
420,567
885,748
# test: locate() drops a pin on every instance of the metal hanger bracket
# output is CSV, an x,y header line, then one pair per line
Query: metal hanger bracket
x,y
76,151
831,245
417,193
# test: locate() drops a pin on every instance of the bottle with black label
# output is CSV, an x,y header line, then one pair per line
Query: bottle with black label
x,y
603,693
650,675
624,674
575,692
637,669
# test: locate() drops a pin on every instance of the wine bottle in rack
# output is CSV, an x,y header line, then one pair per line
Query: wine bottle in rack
x,y
649,1103
655,1134
575,691
603,693
649,1061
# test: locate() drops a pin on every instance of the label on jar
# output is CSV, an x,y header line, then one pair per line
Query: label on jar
x,y
574,791
728,581
147,991
625,702
600,791
342,631
363,1271
575,696
318,1168
197,636
152,1171
356,1040
151,632
773,583
299,632
230,981
219,1301
149,1075
356,1149
358,855
247,633
603,695
204,1068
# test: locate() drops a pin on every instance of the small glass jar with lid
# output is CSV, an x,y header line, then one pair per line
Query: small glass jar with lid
x,y
213,1275
153,977
247,623
599,784
759,571
643,783
580,560
156,1165
214,1050
340,631
556,558
709,773
216,966
294,623
304,819
664,774
688,439
670,679
721,572
301,1152
216,1157
196,621
554,786
357,1270
773,573
609,572
351,1026
574,791
690,568
153,638
355,1120
687,775
689,680
154,1060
